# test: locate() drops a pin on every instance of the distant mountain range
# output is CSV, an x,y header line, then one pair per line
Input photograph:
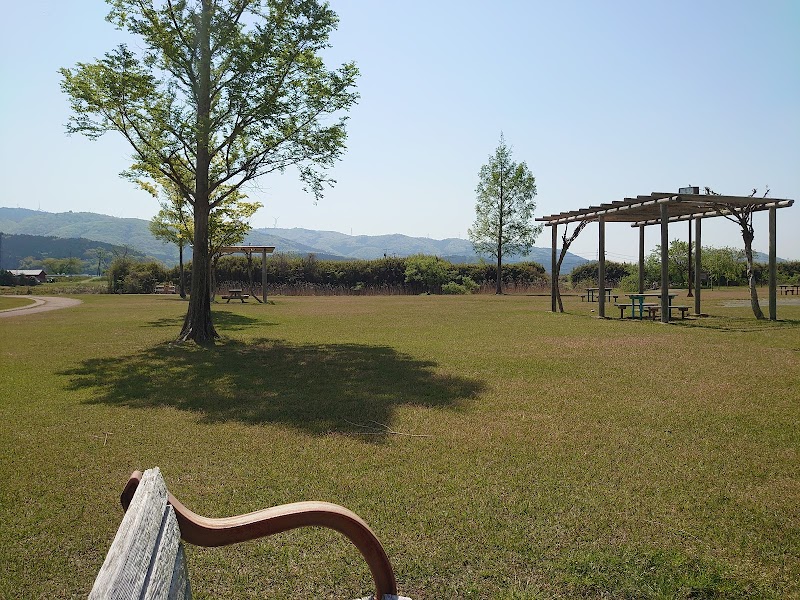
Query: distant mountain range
x,y
135,235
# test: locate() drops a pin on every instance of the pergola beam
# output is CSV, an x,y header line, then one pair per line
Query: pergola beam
x,y
662,208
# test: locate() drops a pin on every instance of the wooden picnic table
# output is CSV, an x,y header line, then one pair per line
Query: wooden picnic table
x,y
236,294
787,288
641,305
593,294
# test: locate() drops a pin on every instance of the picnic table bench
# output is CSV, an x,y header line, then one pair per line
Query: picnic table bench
x,y
147,560
648,306
235,294
656,310
592,295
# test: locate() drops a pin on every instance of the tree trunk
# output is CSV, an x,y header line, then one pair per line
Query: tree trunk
x,y
565,244
197,325
500,224
182,274
747,236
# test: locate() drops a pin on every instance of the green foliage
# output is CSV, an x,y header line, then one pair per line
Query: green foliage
x,y
67,266
678,264
724,265
590,273
411,275
453,289
788,272
504,209
56,254
628,283
429,273
218,94
128,276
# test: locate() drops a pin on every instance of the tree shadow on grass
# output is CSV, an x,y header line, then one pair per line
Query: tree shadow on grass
x,y
747,324
316,388
222,319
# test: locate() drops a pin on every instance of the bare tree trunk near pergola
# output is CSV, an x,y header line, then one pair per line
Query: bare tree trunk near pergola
x,y
565,244
743,216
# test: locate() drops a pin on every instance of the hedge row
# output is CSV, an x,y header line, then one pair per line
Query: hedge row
x,y
411,275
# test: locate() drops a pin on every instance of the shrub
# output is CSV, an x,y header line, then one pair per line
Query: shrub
x,y
454,288
428,272
629,283
590,273
127,276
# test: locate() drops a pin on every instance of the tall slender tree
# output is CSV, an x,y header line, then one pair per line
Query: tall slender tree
x,y
504,209
223,91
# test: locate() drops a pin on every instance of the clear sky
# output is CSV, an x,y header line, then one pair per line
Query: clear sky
x,y
602,100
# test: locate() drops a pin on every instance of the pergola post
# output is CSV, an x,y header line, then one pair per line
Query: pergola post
x,y
689,277
601,267
553,276
697,266
664,263
641,259
264,275
773,292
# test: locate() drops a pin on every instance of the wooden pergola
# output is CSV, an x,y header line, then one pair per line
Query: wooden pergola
x,y
662,208
248,250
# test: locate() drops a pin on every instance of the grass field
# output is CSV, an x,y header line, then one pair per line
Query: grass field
x,y
8,302
498,450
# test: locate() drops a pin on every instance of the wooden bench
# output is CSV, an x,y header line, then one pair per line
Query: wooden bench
x,y
648,307
656,310
147,560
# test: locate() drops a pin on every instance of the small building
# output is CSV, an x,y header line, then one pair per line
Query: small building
x,y
38,274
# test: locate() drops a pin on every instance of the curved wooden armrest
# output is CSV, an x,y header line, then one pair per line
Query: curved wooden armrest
x,y
207,532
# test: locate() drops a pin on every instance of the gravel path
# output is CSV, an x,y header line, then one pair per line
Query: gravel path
x,y
40,304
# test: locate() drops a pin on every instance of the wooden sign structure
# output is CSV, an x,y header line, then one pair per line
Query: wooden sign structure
x,y
248,250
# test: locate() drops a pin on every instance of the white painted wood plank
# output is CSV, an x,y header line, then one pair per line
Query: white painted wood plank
x,y
127,563
159,581
180,588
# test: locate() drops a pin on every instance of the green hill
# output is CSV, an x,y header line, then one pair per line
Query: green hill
x,y
18,250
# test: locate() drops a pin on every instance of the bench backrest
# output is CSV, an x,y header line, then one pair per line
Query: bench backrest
x,y
146,559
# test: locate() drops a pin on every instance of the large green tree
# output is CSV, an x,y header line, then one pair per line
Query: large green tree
x,y
504,209
222,92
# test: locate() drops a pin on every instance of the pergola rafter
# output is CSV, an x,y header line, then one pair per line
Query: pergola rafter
x,y
662,208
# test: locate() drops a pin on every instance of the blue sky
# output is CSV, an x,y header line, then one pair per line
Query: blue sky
x,y
602,100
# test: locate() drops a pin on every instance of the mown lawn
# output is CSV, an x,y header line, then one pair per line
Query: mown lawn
x,y
9,302
531,455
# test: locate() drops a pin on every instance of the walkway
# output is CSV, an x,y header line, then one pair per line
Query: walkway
x,y
40,304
